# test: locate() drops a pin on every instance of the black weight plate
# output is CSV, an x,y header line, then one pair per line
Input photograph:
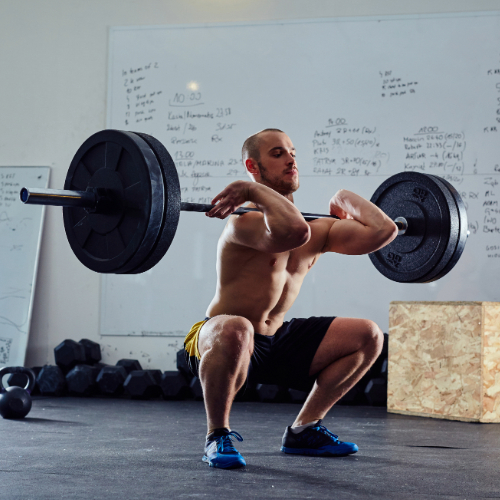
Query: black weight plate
x,y
172,204
159,205
122,234
454,235
462,230
420,199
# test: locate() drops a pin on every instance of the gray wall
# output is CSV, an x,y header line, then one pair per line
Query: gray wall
x,y
53,57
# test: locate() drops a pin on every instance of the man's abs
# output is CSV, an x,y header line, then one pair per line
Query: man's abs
x,y
258,286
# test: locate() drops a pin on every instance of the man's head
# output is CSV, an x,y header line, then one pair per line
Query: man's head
x,y
269,158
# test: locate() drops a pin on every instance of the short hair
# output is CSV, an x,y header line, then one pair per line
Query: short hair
x,y
250,147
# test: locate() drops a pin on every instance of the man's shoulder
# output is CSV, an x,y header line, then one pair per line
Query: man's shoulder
x,y
237,226
246,224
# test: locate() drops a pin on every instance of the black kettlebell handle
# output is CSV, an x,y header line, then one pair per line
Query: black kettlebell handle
x,y
18,369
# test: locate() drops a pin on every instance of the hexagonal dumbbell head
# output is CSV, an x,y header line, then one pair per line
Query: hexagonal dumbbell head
x,y
68,354
51,381
140,384
129,364
174,385
81,380
92,351
110,380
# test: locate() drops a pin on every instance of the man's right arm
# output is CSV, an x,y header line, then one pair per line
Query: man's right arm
x,y
363,228
279,227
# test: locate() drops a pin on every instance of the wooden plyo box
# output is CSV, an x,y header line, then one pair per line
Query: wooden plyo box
x,y
444,360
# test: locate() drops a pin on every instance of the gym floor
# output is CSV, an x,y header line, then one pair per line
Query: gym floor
x,y
119,448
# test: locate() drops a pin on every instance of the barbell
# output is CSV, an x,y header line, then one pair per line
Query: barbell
x,y
121,206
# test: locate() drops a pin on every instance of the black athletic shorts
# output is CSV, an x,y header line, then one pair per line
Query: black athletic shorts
x,y
284,358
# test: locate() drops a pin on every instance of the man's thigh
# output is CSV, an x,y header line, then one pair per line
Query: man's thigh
x,y
344,336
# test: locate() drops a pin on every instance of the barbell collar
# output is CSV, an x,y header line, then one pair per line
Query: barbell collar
x,y
402,224
59,197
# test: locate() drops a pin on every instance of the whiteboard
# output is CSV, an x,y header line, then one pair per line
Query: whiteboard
x,y
361,98
20,234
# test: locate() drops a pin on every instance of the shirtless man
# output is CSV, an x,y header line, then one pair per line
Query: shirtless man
x,y
262,260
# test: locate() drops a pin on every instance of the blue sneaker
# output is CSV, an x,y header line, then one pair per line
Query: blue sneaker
x,y
220,452
316,440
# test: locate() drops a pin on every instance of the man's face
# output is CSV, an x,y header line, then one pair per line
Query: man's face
x,y
277,165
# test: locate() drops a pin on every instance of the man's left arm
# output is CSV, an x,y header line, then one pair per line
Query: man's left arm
x,y
363,227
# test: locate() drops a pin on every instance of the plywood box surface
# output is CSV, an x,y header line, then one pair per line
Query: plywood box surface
x,y
444,360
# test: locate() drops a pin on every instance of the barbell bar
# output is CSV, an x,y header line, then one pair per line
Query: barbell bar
x,y
89,200
121,204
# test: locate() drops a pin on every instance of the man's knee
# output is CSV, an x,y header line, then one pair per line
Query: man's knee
x,y
234,334
372,337
237,331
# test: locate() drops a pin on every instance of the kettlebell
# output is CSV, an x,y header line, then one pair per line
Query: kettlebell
x,y
15,402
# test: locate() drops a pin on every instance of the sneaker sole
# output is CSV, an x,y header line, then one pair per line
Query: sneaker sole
x,y
315,453
229,465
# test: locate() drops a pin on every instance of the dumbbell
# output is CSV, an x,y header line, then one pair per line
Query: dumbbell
x,y
174,385
81,380
143,384
51,381
70,353
129,365
111,379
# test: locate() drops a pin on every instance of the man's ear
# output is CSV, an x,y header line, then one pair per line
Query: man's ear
x,y
251,166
